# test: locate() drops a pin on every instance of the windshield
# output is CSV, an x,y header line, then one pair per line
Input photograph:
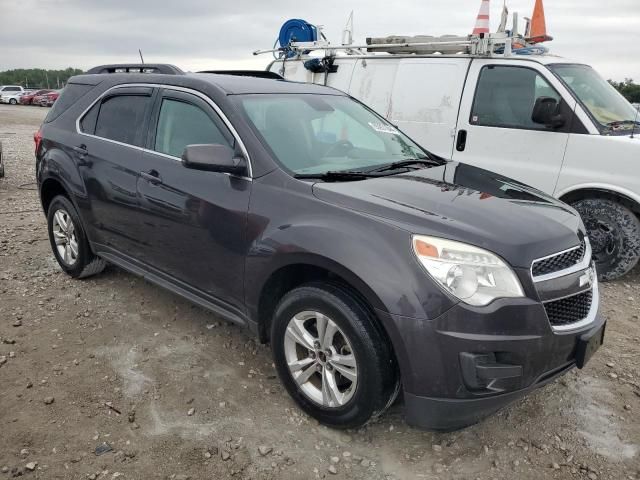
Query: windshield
x,y
610,109
314,134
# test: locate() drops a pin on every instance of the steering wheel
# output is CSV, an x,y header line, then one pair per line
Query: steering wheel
x,y
345,145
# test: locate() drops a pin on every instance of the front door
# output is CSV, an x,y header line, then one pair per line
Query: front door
x,y
495,130
194,221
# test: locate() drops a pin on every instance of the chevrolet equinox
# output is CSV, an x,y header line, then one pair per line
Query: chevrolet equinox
x,y
370,265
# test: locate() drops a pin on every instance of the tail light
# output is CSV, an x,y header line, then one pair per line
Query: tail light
x,y
37,138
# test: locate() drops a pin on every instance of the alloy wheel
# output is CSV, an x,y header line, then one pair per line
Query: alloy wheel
x,y
320,359
64,234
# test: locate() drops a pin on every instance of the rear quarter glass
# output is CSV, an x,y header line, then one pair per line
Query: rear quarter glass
x,y
70,95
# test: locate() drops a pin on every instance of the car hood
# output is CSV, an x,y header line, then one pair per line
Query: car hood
x,y
465,203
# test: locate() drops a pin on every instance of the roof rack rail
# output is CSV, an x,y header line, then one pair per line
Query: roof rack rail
x,y
246,73
137,68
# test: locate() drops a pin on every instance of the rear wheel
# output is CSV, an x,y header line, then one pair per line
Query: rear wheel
x,y
69,242
330,356
614,233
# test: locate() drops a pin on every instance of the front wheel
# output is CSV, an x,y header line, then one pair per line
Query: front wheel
x,y
614,233
331,357
69,241
13,101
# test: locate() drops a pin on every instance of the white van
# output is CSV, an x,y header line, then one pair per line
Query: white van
x,y
540,119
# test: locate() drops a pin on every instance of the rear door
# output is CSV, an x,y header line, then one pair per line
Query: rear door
x,y
194,221
495,130
109,155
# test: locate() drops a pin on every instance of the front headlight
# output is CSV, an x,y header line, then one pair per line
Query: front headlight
x,y
474,275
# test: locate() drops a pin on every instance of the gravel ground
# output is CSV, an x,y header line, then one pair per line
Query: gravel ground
x,y
173,392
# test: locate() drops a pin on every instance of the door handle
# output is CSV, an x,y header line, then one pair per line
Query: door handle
x,y
461,142
152,176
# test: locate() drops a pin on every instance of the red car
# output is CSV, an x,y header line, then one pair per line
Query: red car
x,y
48,99
27,98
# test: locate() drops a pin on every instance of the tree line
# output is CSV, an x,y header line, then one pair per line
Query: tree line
x,y
38,77
630,90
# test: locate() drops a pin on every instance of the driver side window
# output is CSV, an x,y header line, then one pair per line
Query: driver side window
x,y
505,97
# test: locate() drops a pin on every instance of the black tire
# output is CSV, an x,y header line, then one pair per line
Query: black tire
x,y
614,232
378,381
85,263
13,101
1,162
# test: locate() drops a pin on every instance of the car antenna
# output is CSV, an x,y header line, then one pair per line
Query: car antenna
x,y
141,58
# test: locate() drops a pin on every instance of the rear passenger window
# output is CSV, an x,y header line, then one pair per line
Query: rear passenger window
x,y
505,97
121,118
181,124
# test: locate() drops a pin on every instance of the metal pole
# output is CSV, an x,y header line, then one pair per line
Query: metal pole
x,y
370,47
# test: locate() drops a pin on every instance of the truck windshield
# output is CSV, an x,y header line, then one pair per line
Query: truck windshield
x,y
315,134
610,109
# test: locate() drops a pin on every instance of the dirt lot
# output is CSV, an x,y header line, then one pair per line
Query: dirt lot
x,y
176,393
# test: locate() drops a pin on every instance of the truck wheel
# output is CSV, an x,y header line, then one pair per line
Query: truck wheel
x,y
330,356
614,233
69,241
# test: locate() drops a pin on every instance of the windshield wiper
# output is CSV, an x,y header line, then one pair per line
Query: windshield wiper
x,y
371,173
622,122
407,163
336,175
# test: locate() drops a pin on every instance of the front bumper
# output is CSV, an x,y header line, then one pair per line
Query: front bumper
x,y
512,348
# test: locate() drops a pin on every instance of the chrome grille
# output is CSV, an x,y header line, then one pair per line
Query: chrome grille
x,y
560,261
569,310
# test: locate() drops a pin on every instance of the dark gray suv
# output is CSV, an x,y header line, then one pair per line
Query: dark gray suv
x,y
369,264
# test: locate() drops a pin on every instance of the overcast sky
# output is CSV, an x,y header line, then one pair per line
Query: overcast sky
x,y
214,34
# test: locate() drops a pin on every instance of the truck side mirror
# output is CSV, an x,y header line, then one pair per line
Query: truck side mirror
x,y
546,112
214,158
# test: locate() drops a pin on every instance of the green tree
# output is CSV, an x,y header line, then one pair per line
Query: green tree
x,y
38,77
630,90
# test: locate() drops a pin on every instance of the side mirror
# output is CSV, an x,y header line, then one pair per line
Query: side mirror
x,y
213,158
545,112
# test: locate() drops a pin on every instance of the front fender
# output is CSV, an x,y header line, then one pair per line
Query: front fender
x,y
374,257
601,162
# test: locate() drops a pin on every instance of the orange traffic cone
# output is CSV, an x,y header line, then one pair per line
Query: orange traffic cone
x,y
482,22
538,25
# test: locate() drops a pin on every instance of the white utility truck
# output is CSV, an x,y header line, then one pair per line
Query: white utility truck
x,y
504,104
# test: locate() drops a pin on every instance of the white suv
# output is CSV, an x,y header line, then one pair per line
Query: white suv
x,y
11,92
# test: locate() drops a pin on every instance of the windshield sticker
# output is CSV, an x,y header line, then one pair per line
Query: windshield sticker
x,y
383,128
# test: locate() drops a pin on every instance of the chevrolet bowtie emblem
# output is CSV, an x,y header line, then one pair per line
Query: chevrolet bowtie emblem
x,y
587,278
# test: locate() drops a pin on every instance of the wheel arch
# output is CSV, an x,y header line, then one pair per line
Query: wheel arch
x,y
305,269
50,188
624,198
